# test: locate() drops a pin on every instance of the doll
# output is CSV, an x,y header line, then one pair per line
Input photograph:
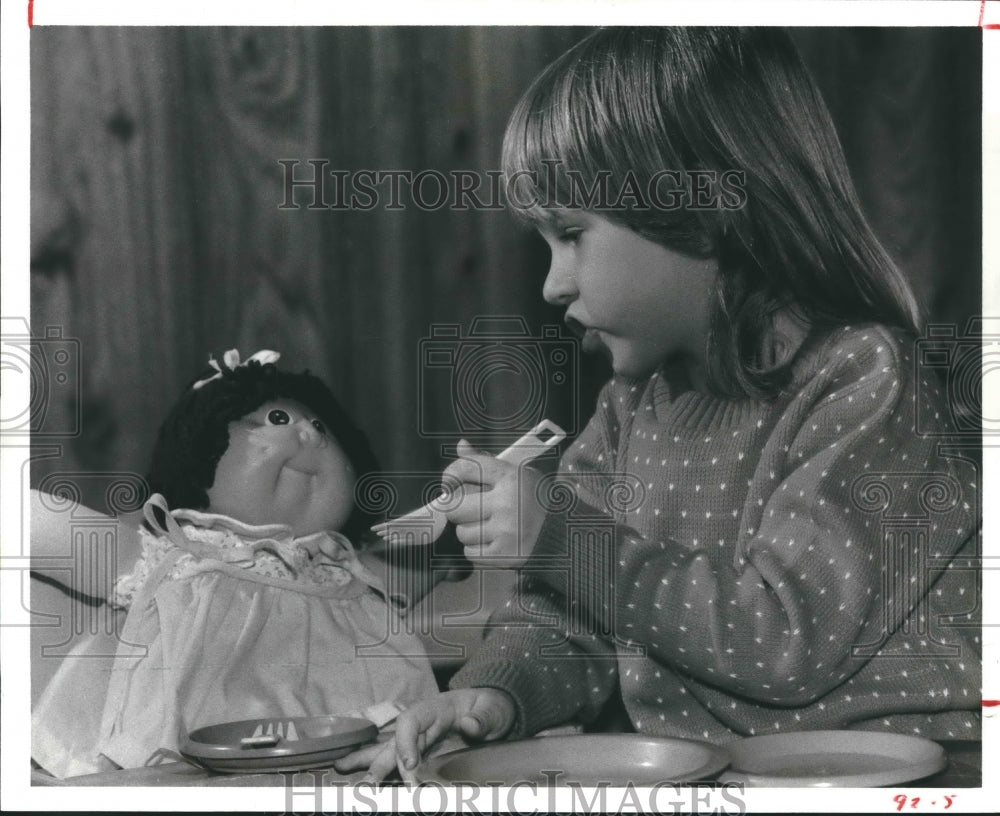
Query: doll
x,y
248,599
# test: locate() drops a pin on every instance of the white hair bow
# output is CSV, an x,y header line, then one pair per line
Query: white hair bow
x,y
231,360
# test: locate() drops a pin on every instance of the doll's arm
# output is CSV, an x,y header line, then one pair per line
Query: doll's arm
x,y
79,548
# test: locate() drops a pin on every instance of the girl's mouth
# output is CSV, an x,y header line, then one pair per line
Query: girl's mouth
x,y
590,339
575,326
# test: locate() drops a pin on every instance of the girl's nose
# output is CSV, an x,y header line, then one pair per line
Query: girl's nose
x,y
559,288
310,435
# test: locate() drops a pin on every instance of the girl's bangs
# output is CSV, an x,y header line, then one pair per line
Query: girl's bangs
x,y
561,150
543,145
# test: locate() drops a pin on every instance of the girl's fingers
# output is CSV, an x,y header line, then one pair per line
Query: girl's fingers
x,y
478,536
479,470
476,468
408,776
408,729
476,726
415,729
406,772
382,759
468,534
477,713
462,471
464,449
489,717
424,741
363,757
383,763
470,507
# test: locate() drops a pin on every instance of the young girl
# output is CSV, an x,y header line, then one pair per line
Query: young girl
x,y
245,600
759,541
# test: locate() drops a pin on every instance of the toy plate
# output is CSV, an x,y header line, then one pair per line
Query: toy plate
x,y
585,759
845,759
276,743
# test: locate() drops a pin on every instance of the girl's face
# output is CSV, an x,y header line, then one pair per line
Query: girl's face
x,y
283,466
637,301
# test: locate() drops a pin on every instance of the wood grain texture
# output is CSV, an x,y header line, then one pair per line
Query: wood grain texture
x,y
255,100
108,151
906,104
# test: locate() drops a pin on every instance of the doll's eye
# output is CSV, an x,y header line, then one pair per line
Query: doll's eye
x,y
319,426
276,416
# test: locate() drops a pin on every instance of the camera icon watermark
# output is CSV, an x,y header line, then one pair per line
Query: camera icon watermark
x,y
40,381
79,550
496,379
589,563
417,555
911,507
959,364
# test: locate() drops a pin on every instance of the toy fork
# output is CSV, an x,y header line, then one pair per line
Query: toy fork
x,y
425,524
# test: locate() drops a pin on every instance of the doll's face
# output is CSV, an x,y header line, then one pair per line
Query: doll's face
x,y
283,466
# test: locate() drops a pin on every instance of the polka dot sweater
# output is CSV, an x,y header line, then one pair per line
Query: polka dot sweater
x,y
733,567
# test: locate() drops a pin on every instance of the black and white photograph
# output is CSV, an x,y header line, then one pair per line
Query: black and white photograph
x,y
466,412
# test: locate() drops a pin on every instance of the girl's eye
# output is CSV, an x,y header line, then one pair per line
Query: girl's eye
x,y
276,416
570,235
319,426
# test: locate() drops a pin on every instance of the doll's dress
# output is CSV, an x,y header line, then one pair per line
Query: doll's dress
x,y
228,621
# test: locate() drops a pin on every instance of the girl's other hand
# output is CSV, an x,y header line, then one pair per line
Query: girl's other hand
x,y
498,518
478,714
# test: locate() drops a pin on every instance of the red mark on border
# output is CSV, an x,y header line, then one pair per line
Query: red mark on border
x,y
982,14
31,12
990,703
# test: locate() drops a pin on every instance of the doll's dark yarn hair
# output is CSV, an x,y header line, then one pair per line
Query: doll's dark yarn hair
x,y
195,434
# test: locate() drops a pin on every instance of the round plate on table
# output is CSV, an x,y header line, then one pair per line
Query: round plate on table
x,y
584,759
276,743
843,759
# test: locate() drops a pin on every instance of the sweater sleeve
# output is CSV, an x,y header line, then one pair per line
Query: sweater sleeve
x,y
814,574
555,668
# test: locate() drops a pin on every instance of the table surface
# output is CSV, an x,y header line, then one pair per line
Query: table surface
x,y
965,766
964,770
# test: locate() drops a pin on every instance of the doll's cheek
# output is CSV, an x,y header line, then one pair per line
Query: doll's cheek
x,y
270,441
261,437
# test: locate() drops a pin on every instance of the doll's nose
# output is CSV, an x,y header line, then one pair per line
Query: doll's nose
x,y
310,435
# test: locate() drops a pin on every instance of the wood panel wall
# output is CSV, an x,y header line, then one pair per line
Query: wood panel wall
x,y
157,234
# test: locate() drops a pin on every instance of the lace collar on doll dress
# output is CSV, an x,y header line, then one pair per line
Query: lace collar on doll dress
x,y
324,548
